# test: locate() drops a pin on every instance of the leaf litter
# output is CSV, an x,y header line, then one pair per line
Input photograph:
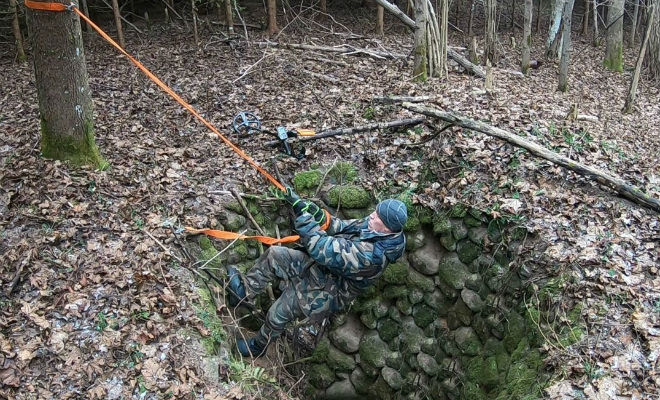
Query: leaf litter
x,y
99,306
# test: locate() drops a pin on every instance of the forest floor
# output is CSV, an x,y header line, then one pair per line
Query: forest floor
x,y
97,304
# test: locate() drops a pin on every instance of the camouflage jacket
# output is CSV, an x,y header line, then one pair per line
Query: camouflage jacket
x,y
350,251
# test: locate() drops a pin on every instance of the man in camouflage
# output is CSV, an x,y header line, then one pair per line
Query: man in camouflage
x,y
341,261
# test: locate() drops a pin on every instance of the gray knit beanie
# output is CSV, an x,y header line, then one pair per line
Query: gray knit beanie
x,y
393,213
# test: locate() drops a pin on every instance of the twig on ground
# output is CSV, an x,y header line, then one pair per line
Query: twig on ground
x,y
167,251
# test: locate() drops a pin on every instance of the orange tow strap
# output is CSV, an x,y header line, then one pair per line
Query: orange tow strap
x,y
37,5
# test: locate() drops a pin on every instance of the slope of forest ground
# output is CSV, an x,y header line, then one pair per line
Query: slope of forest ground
x,y
99,306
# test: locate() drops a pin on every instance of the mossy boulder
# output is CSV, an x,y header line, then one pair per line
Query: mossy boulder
x,y
355,213
373,350
361,381
441,224
392,377
415,241
339,361
415,295
321,376
427,364
423,315
436,300
349,196
458,229
397,272
458,211
515,331
342,390
369,319
453,272
388,329
472,391
320,353
477,235
417,280
411,336
394,360
404,306
347,337
306,182
467,341
472,300
467,251
394,292
448,242
412,225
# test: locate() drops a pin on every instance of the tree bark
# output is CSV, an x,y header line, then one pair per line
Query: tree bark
x,y
120,31
272,17
380,16
594,13
566,45
633,31
420,62
471,19
193,10
538,17
551,43
65,102
229,17
443,29
465,63
85,10
16,27
585,18
617,184
652,60
324,6
527,35
632,91
490,48
614,49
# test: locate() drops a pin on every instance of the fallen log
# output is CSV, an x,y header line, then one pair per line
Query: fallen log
x,y
619,185
356,129
402,99
343,49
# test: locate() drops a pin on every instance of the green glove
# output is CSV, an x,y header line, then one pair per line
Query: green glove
x,y
296,202
317,212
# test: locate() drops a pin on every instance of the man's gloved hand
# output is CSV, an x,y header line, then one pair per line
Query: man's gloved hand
x,y
296,202
317,212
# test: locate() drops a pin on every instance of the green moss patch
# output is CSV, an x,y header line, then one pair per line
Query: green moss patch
x,y
349,196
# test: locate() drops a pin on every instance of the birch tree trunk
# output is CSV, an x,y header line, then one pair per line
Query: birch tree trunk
x,y
120,31
527,35
65,101
551,43
538,18
229,17
490,48
566,45
443,29
420,63
632,91
16,27
614,49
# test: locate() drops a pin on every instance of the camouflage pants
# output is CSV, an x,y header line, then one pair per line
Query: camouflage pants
x,y
307,290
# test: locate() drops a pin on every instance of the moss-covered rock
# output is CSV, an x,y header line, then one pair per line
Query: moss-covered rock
x,y
477,235
356,213
339,361
404,306
209,252
427,364
467,341
396,273
448,242
415,279
320,353
373,350
369,319
361,381
411,336
458,229
392,377
234,206
349,196
342,390
441,224
412,225
472,391
423,315
306,182
472,300
515,331
388,329
453,272
467,251
395,292
343,172
415,241
458,211
436,300
415,295
347,337
321,376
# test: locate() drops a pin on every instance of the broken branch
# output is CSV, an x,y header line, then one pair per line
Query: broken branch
x,y
624,189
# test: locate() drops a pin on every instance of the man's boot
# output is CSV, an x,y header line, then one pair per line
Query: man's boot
x,y
236,289
251,347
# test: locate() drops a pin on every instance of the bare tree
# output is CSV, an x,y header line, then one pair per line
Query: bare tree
x,y
229,17
585,18
632,91
633,31
65,101
527,35
490,48
652,60
614,49
16,27
120,31
565,45
272,17
380,16
595,15
552,43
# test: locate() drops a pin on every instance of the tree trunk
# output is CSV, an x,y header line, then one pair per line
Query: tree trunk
x,y
632,91
443,29
229,17
538,18
553,33
527,35
585,18
653,52
513,14
420,63
595,15
490,48
120,31
193,10
65,102
614,49
471,19
272,17
633,31
457,16
16,27
566,45
324,6
393,9
380,16
85,10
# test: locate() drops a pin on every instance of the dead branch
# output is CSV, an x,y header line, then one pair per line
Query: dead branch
x,y
465,63
246,211
357,129
343,49
624,189
321,76
401,99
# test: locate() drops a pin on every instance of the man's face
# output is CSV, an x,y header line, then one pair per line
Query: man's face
x,y
376,224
